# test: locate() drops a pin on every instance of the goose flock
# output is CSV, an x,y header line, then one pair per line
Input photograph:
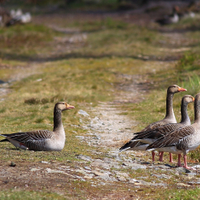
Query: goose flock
x,y
167,135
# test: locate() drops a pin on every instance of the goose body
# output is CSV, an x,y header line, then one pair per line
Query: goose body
x,y
181,140
139,138
169,19
42,140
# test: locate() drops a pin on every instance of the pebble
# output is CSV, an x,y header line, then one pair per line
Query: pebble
x,y
83,157
84,113
182,185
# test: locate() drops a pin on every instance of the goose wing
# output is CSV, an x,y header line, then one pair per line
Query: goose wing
x,y
158,132
172,138
33,140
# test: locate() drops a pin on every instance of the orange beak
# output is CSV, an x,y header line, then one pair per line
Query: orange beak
x,y
180,89
70,107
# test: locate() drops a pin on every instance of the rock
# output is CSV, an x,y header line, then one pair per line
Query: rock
x,y
87,168
162,176
80,137
182,185
182,170
100,163
12,164
134,166
86,158
197,182
89,176
45,162
34,169
196,167
105,175
59,172
122,176
84,113
135,181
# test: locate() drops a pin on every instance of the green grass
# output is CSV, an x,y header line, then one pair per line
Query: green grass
x,y
22,41
182,194
32,195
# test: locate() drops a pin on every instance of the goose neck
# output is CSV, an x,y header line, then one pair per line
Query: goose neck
x,y
169,106
197,111
57,119
184,114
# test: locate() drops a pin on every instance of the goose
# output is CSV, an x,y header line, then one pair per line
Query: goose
x,y
42,140
154,134
136,143
170,19
181,140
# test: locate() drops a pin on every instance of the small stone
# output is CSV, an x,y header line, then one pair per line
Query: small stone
x,y
182,185
45,162
89,176
86,158
136,166
136,182
122,176
97,173
84,113
196,167
80,137
34,169
12,164
181,170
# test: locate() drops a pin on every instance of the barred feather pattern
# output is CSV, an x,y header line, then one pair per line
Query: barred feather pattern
x,y
175,138
34,140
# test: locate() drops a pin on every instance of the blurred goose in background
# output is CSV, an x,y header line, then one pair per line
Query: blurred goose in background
x,y
170,19
140,143
17,17
42,140
187,11
181,140
4,16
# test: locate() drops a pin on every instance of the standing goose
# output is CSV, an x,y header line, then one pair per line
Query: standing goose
x,y
42,140
181,140
135,143
152,135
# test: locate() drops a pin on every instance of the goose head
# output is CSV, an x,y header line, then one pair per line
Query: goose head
x,y
175,88
63,106
188,99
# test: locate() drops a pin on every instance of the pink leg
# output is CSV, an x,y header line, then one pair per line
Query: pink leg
x,y
170,158
153,156
185,163
179,160
161,156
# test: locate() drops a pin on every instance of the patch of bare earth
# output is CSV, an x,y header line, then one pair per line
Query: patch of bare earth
x,y
111,126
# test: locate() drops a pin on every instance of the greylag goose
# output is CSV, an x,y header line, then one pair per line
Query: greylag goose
x,y
136,143
42,140
152,135
182,140
169,19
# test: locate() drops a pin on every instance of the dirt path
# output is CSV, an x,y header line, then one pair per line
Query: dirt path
x,y
114,128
